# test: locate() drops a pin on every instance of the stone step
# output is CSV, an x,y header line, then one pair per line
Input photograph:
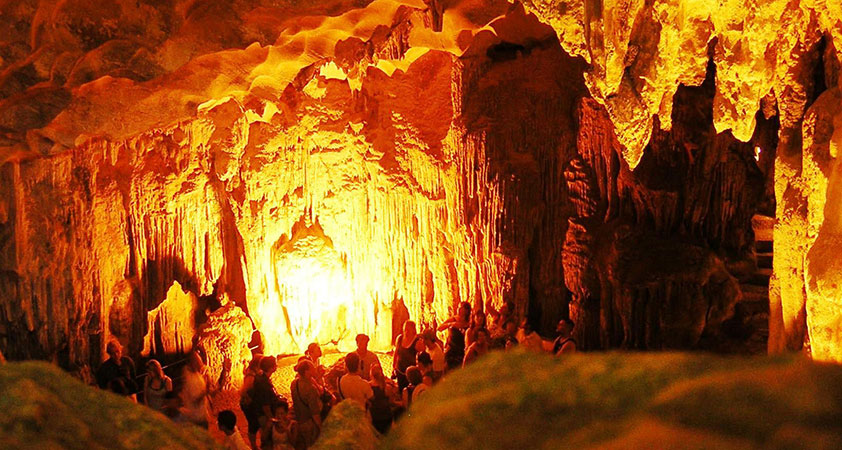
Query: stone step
x,y
751,296
763,247
763,226
758,279
764,261
752,309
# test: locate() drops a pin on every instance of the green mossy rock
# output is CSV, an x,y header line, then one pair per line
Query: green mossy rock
x,y
43,407
348,427
628,400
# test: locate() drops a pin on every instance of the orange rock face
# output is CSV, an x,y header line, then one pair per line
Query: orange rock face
x,y
333,168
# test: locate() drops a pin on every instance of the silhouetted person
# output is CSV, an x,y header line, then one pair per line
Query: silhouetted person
x,y
406,346
425,363
380,405
564,343
117,373
456,326
264,397
367,358
251,413
306,404
227,423
478,348
478,322
416,379
314,353
509,338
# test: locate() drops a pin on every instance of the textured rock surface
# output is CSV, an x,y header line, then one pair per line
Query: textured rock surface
x,y
804,304
348,426
642,51
46,408
317,208
225,337
622,400
644,254
325,164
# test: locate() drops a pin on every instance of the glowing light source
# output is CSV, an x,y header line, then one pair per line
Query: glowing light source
x,y
316,296
757,151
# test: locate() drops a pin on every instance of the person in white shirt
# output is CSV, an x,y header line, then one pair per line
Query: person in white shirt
x,y
227,422
529,339
352,385
436,353
367,358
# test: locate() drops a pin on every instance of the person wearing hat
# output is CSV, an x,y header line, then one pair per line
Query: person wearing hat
x,y
367,358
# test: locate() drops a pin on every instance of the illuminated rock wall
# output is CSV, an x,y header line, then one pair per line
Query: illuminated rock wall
x,y
336,167
321,208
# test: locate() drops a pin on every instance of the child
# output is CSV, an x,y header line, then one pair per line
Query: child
x,y
281,427
227,422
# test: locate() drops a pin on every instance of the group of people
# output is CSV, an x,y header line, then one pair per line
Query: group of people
x,y
189,405
419,360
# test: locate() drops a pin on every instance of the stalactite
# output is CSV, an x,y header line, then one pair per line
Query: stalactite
x,y
447,154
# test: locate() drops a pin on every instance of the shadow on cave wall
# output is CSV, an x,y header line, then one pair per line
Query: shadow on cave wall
x,y
159,277
653,256
521,96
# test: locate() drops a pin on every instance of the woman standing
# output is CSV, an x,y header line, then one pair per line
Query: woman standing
x,y
246,400
454,351
406,346
306,405
156,385
380,404
478,323
195,392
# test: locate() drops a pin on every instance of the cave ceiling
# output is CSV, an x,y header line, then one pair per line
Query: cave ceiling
x,y
339,166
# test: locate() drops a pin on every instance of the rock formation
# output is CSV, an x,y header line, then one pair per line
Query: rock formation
x,y
348,426
47,408
628,400
326,165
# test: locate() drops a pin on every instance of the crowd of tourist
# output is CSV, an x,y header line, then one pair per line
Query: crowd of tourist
x,y
419,361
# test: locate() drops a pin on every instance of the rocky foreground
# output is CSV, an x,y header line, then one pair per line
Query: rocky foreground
x,y
506,400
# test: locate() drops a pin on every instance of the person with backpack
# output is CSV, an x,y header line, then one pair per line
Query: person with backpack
x,y
306,405
352,385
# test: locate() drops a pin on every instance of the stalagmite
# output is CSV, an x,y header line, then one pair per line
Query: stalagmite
x,y
339,167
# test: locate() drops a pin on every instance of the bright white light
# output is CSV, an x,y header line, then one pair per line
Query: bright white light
x,y
757,151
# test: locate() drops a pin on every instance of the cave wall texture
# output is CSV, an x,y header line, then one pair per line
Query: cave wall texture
x,y
327,168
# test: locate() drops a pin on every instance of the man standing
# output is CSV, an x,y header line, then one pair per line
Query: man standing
x,y
264,397
367,358
351,385
564,343
436,354
117,373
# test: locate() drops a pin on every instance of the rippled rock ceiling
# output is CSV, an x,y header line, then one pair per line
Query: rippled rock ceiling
x,y
338,166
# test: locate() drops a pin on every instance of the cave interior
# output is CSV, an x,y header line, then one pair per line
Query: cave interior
x,y
212,173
